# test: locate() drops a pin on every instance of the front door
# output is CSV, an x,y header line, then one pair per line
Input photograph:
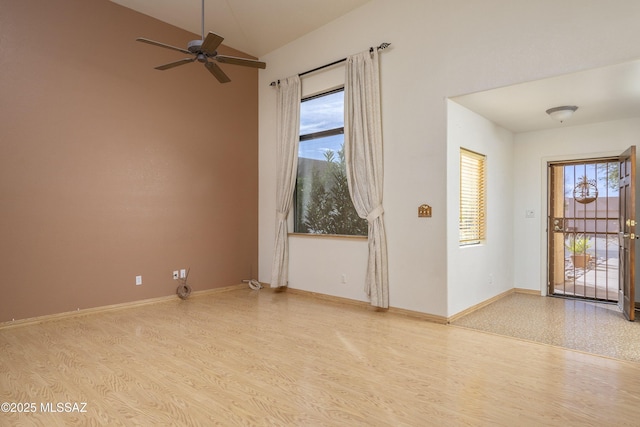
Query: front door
x,y
627,237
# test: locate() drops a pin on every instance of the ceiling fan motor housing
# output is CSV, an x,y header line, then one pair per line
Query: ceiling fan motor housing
x,y
194,46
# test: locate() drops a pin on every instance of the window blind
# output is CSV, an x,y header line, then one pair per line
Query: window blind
x,y
472,197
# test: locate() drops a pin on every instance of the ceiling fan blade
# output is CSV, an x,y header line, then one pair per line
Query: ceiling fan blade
x,y
240,61
211,43
175,64
155,43
217,72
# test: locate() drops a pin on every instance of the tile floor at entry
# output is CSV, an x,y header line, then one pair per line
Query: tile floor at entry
x,y
596,328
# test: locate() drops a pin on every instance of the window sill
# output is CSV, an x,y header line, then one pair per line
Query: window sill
x,y
328,236
472,245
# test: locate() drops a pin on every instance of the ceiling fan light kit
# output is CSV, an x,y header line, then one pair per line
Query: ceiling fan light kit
x,y
205,52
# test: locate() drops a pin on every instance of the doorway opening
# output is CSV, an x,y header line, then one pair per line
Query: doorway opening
x,y
584,226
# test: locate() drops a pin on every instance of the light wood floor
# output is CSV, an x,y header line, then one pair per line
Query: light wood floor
x,y
276,359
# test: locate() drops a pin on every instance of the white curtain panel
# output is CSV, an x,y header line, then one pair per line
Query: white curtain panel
x,y
363,155
288,135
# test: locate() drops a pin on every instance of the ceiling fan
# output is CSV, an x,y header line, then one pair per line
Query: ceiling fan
x,y
204,51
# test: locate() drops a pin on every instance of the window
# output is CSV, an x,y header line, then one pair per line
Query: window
x,y
472,197
322,201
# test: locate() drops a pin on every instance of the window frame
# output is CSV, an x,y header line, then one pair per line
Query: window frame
x,y
310,137
472,198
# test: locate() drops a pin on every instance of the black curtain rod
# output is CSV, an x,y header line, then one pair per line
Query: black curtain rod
x,y
382,46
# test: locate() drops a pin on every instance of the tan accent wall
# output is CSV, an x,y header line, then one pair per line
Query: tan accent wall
x,y
110,169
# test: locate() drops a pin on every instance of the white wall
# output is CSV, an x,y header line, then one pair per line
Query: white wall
x,y
440,49
532,151
479,272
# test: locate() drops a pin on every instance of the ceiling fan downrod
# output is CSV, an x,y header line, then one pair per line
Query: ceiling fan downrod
x,y
202,20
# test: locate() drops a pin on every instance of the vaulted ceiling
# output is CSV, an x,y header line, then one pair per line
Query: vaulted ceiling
x,y
255,27
258,27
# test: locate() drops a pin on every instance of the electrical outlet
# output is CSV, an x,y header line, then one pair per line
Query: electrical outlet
x,y
138,280
344,278
175,275
183,273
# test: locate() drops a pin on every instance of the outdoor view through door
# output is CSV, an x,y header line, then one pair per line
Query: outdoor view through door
x,y
584,228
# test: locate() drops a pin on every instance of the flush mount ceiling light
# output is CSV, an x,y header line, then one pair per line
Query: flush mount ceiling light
x,y
562,113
